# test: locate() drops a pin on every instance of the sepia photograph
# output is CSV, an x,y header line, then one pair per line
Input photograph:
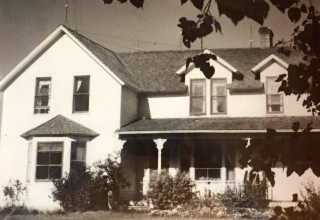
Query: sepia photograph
x,y
159,109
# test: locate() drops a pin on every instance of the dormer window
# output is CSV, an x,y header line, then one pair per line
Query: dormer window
x,y
198,97
42,97
274,98
218,96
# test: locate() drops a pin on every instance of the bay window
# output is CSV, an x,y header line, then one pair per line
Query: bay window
x,y
49,160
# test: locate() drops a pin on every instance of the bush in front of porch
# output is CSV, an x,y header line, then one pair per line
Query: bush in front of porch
x,y
167,192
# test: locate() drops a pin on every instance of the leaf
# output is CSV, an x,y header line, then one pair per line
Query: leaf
x,y
183,1
303,8
295,126
281,77
217,26
294,14
198,4
137,3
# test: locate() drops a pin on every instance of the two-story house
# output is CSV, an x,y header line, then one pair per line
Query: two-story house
x,y
73,100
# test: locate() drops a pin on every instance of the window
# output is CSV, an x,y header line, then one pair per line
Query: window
x,y
81,94
78,154
218,96
198,97
42,97
49,161
274,99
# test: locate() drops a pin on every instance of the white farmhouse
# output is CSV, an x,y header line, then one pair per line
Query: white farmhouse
x,y
73,100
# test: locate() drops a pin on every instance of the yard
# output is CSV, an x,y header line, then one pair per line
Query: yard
x,y
91,215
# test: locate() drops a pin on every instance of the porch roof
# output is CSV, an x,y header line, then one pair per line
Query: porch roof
x,y
60,126
218,125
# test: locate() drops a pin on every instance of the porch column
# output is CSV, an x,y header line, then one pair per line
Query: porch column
x,y
120,144
223,166
192,170
174,160
159,142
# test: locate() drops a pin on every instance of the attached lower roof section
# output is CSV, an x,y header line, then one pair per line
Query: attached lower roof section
x,y
60,126
218,125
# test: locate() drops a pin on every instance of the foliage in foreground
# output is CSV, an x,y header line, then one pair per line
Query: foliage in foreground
x,y
166,192
13,193
91,188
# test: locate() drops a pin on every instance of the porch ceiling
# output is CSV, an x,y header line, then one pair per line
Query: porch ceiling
x,y
218,125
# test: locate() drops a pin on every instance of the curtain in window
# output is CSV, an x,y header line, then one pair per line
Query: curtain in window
x,y
218,96
197,97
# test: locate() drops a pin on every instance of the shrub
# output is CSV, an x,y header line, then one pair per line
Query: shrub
x,y
13,192
248,195
312,197
166,192
91,188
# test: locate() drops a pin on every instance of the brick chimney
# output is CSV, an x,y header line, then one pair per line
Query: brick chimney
x,y
266,37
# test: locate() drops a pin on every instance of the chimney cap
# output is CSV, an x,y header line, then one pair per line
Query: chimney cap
x,y
265,30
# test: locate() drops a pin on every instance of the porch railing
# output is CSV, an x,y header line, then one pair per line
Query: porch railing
x,y
207,173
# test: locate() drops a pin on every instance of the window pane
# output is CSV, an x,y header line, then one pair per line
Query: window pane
x,y
219,87
197,105
275,99
43,146
78,151
82,84
55,157
42,172
81,102
219,105
43,86
198,88
56,146
43,158
54,172
275,108
42,101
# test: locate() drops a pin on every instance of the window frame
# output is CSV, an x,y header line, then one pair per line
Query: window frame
x,y
36,163
192,96
38,79
85,155
267,79
80,94
211,96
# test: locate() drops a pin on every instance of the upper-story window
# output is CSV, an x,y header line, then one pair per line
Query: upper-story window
x,y
81,94
218,96
274,98
42,96
198,97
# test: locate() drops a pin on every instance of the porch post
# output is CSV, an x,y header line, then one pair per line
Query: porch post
x,y
223,166
120,144
159,142
192,169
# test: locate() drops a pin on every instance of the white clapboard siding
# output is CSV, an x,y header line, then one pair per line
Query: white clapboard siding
x,y
129,106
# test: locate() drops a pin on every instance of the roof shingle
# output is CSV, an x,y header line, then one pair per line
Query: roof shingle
x,y
59,126
218,124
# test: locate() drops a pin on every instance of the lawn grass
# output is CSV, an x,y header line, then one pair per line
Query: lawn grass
x,y
97,215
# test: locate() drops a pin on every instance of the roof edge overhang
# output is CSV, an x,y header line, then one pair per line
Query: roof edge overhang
x,y
70,135
219,60
57,33
205,131
267,61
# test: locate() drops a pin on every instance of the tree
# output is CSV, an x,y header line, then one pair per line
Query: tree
x,y
302,79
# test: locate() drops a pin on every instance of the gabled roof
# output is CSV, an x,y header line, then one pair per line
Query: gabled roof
x,y
155,70
218,125
107,59
270,59
60,126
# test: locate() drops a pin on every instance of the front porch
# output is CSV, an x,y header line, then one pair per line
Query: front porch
x,y
209,160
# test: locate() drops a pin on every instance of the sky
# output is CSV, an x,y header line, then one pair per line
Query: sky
x,y
119,27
